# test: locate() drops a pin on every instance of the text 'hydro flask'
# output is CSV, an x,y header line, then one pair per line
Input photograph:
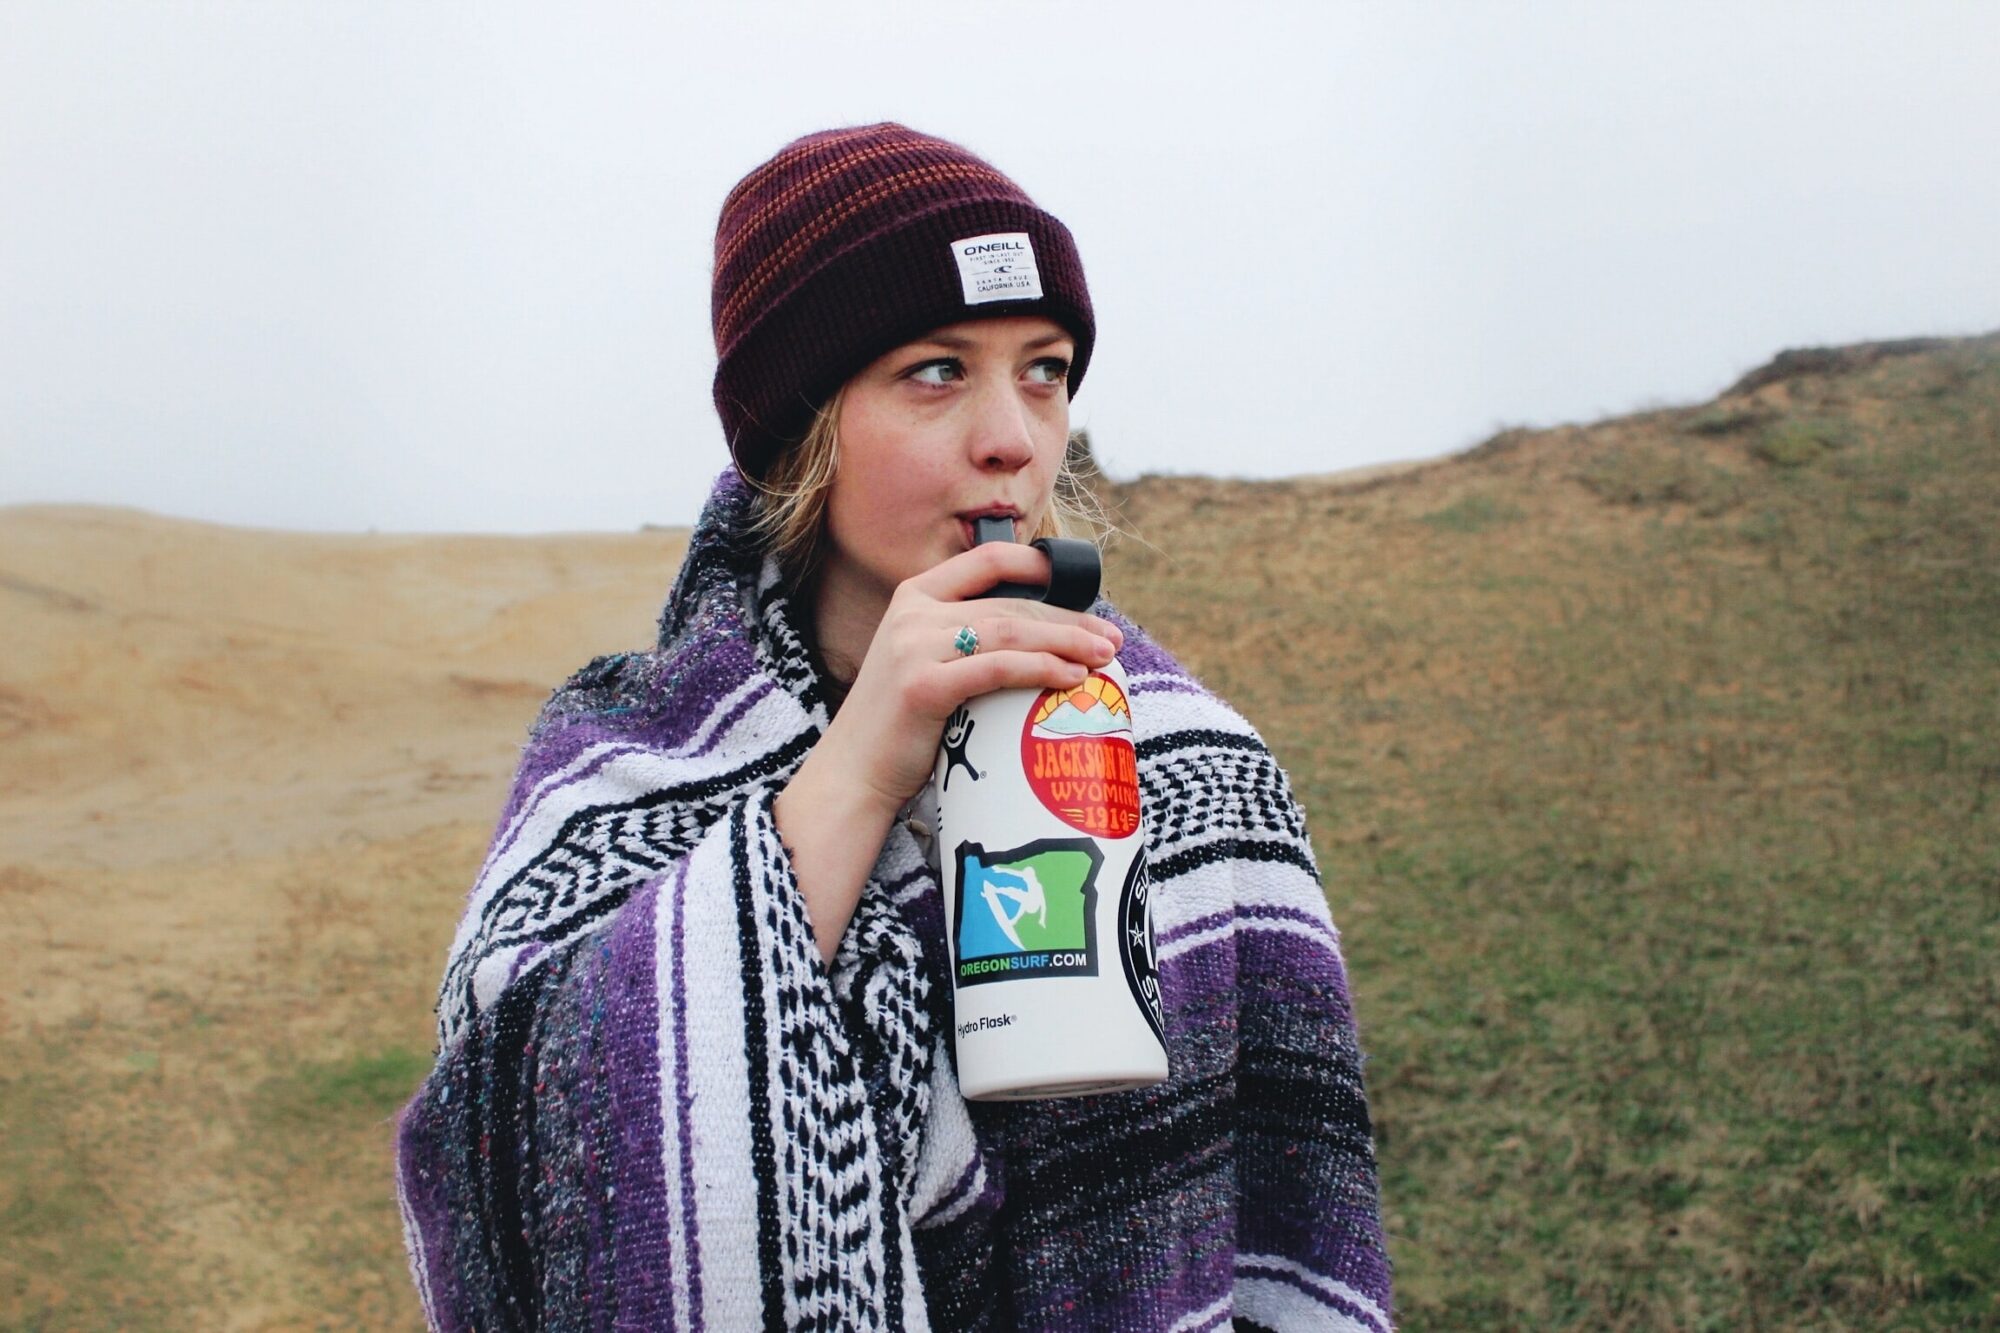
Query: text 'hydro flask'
x,y
1048,910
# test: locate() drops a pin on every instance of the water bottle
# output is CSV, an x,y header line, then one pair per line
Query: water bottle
x,y
1048,916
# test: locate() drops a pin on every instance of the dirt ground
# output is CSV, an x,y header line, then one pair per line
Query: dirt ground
x,y
245,778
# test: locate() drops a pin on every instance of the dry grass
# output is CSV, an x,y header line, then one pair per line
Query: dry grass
x,y
210,1148
1653,767
1655,773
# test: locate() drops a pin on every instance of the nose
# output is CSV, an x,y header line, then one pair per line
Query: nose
x,y
1002,431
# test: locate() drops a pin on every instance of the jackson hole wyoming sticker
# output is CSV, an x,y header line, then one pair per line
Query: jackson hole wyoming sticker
x,y
1076,749
1028,911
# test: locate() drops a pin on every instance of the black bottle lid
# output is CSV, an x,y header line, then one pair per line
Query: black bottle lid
x,y
1076,570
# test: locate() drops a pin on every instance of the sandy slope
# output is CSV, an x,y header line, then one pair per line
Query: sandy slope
x,y
245,777
174,690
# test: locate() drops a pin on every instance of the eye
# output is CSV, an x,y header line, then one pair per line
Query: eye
x,y
944,370
1049,370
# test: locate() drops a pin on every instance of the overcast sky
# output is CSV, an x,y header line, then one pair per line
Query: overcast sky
x,y
445,266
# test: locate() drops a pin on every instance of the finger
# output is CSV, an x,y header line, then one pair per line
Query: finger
x,y
1017,608
973,573
1073,641
971,677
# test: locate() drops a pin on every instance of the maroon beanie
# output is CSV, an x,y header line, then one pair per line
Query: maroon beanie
x,y
851,242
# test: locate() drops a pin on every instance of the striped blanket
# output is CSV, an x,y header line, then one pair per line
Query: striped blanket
x,y
654,1106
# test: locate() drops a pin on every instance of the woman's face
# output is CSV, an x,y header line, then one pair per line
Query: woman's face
x,y
971,419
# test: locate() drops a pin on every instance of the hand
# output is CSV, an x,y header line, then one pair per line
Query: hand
x,y
882,744
913,677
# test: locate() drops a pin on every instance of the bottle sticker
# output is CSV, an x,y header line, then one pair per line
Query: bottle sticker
x,y
998,267
1076,751
957,736
1142,970
1028,911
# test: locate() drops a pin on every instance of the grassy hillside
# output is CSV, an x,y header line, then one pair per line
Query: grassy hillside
x,y
1653,766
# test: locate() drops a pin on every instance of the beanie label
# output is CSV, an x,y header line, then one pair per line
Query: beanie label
x,y
999,267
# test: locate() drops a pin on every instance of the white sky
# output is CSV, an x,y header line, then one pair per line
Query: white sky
x,y
445,266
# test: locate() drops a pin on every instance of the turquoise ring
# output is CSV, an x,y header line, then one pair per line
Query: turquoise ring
x,y
967,641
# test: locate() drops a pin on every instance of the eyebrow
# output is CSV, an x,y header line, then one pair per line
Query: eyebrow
x,y
958,343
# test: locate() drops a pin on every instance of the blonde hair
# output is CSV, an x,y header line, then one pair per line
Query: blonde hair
x,y
790,513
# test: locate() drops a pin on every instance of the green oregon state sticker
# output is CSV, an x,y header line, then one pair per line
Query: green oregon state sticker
x,y
1028,911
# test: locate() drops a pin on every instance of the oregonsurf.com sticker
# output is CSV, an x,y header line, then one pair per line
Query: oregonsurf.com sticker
x,y
1076,748
1028,911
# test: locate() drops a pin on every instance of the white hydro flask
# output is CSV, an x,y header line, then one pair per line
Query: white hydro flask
x,y
1048,910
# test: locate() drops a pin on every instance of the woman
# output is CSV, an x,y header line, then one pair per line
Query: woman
x,y
695,1066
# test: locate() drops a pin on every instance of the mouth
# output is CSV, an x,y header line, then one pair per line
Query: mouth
x,y
967,517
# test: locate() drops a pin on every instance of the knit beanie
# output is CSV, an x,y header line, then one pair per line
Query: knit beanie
x,y
851,242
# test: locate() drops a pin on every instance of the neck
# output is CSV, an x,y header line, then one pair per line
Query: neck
x,y
846,612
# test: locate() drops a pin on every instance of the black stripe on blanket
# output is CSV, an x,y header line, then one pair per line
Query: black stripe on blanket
x,y
506,1112
756,1052
1325,1105
1226,849
1194,737
1083,1170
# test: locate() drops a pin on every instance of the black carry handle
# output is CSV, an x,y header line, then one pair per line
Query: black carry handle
x,y
1076,571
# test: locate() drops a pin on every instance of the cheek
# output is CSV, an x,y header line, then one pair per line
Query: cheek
x,y
1047,471
875,512
847,516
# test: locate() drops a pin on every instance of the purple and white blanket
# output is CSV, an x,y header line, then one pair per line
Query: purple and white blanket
x,y
655,1107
